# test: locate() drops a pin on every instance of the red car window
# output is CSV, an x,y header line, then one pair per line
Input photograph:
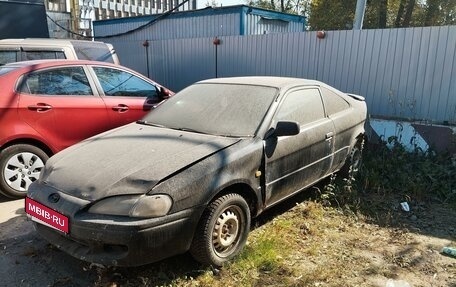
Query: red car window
x,y
61,81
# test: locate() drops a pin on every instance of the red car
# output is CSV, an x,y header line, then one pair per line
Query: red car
x,y
48,105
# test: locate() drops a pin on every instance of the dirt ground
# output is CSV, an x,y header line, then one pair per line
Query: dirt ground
x,y
393,250
396,247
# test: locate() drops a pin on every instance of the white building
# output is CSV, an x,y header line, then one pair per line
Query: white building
x,y
83,12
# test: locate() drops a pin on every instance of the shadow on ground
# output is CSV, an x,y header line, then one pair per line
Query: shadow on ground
x,y
4,198
27,260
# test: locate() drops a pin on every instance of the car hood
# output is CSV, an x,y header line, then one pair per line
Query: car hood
x,y
128,160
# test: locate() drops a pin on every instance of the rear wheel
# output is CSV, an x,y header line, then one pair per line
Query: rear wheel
x,y
20,165
353,161
222,231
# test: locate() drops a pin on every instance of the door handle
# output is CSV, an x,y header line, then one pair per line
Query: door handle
x,y
329,135
121,108
40,107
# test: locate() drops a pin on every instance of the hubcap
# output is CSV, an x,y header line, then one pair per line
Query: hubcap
x,y
22,169
356,161
226,231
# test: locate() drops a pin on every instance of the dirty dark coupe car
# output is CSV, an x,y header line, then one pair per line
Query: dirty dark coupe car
x,y
192,174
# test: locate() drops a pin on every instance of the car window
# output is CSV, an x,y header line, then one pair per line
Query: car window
x,y
333,102
8,57
38,55
119,83
62,81
93,51
303,106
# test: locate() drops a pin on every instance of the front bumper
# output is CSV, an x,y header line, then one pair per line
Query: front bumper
x,y
125,245
119,240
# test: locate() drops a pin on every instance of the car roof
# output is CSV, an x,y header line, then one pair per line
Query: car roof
x,y
42,41
55,63
269,81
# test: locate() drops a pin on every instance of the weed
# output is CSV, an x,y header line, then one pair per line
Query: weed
x,y
416,175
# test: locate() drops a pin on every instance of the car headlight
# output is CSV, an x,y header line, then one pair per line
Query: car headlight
x,y
134,205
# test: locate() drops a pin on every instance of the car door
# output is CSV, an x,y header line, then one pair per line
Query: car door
x,y
294,162
128,97
339,111
60,104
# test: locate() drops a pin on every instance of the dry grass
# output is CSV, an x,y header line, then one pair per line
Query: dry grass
x,y
345,234
316,245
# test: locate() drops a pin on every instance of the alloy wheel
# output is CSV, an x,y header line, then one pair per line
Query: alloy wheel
x,y
22,169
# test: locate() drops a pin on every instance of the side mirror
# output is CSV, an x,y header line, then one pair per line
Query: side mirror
x,y
286,128
164,93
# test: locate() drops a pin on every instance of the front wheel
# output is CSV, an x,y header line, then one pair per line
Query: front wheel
x,y
20,165
222,231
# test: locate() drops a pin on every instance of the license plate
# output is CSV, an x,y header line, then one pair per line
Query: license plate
x,y
44,215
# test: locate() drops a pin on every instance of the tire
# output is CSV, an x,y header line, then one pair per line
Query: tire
x,y
20,165
222,231
353,161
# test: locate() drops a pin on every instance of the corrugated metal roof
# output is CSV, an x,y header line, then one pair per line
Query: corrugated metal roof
x,y
208,22
268,14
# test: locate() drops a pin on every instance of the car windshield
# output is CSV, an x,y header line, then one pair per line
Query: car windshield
x,y
219,109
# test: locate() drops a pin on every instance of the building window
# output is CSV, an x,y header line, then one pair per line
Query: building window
x,y
56,5
103,14
97,14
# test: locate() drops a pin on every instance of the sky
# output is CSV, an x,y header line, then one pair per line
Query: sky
x,y
202,3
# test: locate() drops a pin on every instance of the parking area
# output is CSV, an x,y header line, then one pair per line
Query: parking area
x,y
13,219
27,260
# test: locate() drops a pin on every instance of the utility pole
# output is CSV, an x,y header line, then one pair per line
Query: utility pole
x,y
359,14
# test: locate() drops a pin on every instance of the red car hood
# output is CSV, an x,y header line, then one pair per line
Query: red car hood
x,y
128,160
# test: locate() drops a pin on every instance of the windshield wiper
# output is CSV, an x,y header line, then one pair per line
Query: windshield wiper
x,y
189,130
232,136
144,122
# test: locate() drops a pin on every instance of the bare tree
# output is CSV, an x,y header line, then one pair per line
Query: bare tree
x,y
404,14
382,13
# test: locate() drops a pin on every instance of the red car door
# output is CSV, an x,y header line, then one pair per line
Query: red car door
x,y
128,97
60,104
